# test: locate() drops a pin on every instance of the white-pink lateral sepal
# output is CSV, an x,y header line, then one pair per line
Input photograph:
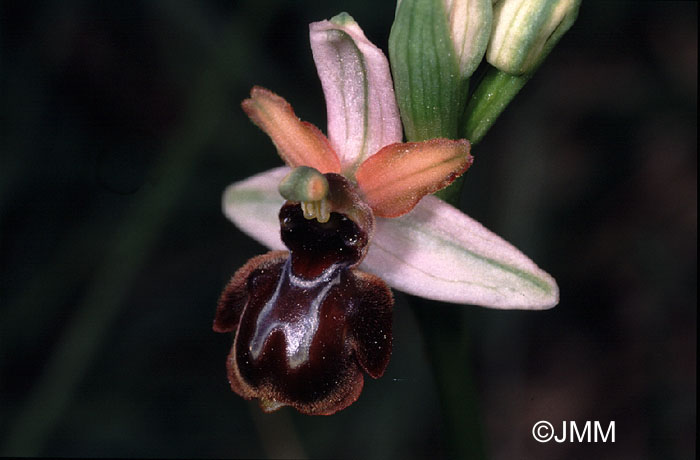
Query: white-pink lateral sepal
x,y
253,204
437,252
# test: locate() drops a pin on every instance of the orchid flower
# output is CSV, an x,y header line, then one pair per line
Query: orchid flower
x,y
314,314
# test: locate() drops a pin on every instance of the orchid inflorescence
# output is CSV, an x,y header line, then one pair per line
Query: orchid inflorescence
x,y
350,215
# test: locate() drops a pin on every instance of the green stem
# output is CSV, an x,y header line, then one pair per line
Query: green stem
x,y
495,89
445,334
447,346
492,95
446,341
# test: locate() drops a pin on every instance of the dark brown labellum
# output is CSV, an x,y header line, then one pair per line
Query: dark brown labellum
x,y
307,324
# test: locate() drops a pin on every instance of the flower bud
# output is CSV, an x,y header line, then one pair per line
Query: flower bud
x,y
524,31
470,28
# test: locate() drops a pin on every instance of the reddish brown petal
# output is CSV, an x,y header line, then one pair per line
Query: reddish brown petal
x,y
299,143
235,295
394,179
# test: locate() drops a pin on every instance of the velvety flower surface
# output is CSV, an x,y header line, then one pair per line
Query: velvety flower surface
x,y
310,320
307,323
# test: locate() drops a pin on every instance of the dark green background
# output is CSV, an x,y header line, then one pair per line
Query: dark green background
x,y
121,127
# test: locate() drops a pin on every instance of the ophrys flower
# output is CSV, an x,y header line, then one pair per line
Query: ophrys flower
x,y
308,322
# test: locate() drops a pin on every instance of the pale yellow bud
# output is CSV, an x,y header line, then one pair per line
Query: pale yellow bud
x,y
524,31
469,22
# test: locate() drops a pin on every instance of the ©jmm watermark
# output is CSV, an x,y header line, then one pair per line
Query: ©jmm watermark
x,y
543,431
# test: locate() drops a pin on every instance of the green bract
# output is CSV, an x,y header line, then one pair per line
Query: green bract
x,y
429,90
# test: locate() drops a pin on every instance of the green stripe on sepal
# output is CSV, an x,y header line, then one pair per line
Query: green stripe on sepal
x,y
439,253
